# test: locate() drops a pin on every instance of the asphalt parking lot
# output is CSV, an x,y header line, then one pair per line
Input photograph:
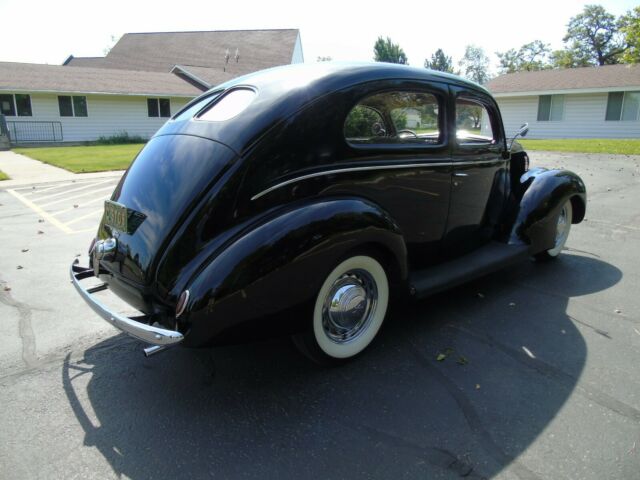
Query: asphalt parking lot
x,y
539,381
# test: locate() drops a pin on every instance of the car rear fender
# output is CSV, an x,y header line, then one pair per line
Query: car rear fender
x,y
282,262
541,195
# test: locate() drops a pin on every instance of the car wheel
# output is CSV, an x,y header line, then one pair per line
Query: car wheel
x,y
348,311
563,226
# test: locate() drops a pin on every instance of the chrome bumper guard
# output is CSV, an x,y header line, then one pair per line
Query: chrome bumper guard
x,y
139,330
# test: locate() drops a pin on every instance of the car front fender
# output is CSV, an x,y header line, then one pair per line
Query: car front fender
x,y
543,193
282,262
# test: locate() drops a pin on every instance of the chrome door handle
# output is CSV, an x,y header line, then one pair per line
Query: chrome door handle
x,y
460,174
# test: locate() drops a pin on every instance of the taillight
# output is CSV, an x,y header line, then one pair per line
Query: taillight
x,y
182,303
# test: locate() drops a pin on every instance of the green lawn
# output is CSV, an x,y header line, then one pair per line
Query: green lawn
x,y
3,176
586,145
95,158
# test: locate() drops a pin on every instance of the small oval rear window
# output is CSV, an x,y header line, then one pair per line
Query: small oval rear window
x,y
229,105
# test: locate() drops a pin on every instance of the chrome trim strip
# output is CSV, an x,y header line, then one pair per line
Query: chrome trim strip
x,y
141,331
367,168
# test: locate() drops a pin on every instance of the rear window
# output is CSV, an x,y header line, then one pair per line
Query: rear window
x,y
230,105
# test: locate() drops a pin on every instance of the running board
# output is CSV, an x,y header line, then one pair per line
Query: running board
x,y
483,261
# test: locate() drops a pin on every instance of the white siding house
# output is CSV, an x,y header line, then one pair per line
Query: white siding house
x,y
591,102
107,115
143,80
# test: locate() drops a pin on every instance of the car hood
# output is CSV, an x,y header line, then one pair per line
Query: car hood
x,y
161,187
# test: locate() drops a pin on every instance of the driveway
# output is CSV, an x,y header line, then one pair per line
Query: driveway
x,y
539,380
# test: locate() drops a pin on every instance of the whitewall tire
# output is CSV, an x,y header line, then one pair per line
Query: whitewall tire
x,y
348,311
563,226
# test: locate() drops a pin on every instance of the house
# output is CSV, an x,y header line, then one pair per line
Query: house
x,y
143,80
589,102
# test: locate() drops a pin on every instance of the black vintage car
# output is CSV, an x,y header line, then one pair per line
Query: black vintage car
x,y
296,199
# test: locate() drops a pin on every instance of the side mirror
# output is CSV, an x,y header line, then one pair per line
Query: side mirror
x,y
524,129
522,132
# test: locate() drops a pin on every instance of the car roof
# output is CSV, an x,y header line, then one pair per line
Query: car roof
x,y
321,73
284,90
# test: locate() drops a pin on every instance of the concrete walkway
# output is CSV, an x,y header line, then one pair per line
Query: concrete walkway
x,y
24,170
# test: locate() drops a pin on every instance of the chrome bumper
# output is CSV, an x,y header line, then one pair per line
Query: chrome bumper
x,y
139,330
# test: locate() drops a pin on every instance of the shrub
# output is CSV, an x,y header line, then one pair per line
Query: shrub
x,y
121,138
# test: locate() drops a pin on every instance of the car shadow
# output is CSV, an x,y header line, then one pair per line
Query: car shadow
x,y
455,386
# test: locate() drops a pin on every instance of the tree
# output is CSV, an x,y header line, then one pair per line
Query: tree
x,y
475,64
630,28
387,51
439,61
529,57
569,58
595,34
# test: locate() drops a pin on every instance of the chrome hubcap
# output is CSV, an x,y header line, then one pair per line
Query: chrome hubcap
x,y
561,227
349,306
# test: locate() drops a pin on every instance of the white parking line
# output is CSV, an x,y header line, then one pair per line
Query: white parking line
x,y
92,214
76,196
83,204
51,219
33,191
47,197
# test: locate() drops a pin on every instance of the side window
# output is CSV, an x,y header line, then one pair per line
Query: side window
x,y
363,123
473,123
394,118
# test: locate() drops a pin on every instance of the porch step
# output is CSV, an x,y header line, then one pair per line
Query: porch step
x,y
493,256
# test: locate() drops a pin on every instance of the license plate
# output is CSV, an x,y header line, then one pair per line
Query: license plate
x,y
115,215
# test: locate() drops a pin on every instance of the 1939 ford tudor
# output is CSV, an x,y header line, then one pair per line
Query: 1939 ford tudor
x,y
295,199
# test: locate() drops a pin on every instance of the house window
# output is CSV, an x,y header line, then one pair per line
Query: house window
x,y
623,106
550,107
159,107
75,106
19,103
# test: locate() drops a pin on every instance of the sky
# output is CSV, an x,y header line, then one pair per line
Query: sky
x,y
48,31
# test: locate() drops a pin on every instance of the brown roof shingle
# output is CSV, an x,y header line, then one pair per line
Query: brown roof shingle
x,y
84,61
607,76
161,51
32,77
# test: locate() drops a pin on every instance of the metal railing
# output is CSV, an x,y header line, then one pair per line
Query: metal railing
x,y
27,131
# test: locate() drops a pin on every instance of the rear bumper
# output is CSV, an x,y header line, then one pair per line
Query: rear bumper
x,y
132,326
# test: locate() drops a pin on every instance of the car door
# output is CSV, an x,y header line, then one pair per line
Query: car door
x,y
400,133
479,172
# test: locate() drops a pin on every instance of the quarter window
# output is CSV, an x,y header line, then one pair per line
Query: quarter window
x,y
550,107
158,107
231,104
394,118
19,103
473,123
72,106
623,106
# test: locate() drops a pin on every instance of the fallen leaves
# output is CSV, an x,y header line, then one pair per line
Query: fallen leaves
x,y
462,360
447,352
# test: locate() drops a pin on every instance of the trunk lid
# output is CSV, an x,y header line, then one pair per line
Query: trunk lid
x,y
163,184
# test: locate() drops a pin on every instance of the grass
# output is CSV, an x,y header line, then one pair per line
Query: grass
x,y
3,176
585,145
94,158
